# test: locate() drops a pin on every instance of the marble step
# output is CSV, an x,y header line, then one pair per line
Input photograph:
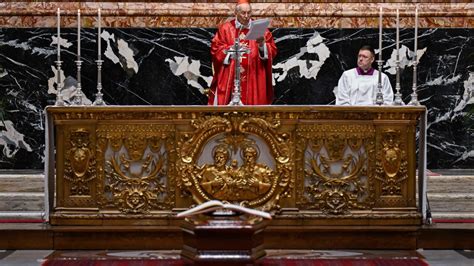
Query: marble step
x,y
451,184
21,183
451,202
26,215
21,201
453,215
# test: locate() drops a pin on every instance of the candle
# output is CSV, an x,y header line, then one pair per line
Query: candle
x,y
59,26
416,33
380,34
99,50
78,34
397,41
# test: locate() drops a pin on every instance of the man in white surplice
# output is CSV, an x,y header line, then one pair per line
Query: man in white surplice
x,y
358,86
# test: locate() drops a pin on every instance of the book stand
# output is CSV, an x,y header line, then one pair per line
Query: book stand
x,y
218,239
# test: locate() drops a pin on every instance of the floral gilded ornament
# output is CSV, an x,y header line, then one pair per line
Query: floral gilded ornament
x,y
336,177
135,173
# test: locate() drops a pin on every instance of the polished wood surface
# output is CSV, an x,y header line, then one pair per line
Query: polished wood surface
x,y
39,236
222,240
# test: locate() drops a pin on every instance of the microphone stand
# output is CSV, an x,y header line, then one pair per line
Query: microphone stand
x,y
236,52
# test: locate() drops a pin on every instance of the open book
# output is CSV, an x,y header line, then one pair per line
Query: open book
x,y
257,29
213,205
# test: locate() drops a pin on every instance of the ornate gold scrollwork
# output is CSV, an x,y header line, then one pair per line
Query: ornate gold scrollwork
x,y
136,172
392,164
336,162
79,163
234,167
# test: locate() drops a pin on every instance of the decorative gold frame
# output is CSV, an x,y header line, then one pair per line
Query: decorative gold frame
x,y
312,165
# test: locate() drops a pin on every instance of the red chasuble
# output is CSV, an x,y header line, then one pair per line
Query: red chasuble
x,y
256,73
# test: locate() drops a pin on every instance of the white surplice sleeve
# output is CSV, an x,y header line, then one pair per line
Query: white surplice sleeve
x,y
387,90
343,90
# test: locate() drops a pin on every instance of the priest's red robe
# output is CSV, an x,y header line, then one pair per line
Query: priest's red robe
x,y
256,73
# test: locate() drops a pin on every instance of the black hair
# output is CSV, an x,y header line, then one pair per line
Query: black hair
x,y
368,48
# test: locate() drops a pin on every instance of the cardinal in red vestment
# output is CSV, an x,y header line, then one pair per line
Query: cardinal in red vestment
x,y
255,68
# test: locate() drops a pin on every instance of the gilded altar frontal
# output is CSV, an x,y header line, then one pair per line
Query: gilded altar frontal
x,y
307,165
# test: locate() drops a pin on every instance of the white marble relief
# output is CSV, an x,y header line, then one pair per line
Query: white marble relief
x,y
52,81
190,69
308,69
109,52
124,51
127,53
406,59
468,94
182,66
62,42
68,88
11,140
442,80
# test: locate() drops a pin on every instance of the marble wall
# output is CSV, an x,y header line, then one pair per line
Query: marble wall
x,y
152,60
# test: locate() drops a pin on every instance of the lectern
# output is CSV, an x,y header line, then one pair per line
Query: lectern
x,y
223,240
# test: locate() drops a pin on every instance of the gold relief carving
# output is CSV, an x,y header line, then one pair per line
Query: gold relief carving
x,y
393,201
79,162
238,172
234,183
380,115
136,176
144,115
268,132
392,164
101,146
335,167
117,115
348,161
207,126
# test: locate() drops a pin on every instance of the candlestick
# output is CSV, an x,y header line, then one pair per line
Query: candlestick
x,y
379,94
398,95
78,34
78,97
99,50
98,96
414,96
59,26
398,30
380,34
416,32
59,99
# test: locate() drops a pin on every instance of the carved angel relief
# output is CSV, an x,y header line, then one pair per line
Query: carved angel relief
x,y
237,163
80,163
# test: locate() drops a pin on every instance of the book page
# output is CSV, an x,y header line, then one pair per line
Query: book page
x,y
257,28
205,207
249,211
212,205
